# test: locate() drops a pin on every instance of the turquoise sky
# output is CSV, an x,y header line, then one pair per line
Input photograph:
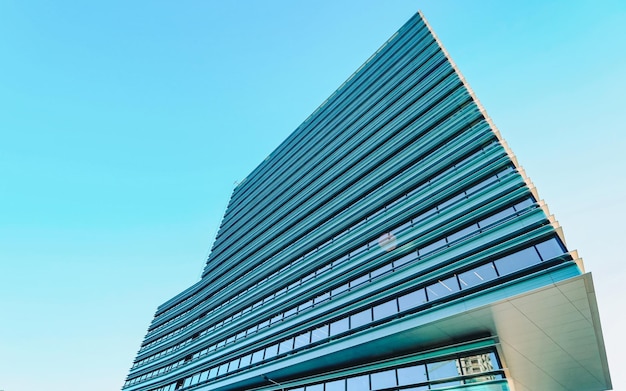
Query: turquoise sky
x,y
125,124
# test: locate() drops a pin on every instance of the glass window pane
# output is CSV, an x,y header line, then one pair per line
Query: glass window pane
x,y
517,261
523,204
462,233
380,271
493,360
412,300
337,385
442,288
451,201
233,365
481,185
319,333
271,351
213,372
277,318
290,312
339,290
405,259
432,247
285,346
304,306
245,361
412,375
384,379
302,340
323,297
361,318
443,369
222,369
550,249
402,227
496,217
477,276
358,383
315,387
386,309
339,326
257,356
476,364
359,280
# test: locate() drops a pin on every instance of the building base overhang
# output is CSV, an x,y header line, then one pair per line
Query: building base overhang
x,y
548,338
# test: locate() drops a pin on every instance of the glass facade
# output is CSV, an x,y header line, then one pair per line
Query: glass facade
x,y
393,202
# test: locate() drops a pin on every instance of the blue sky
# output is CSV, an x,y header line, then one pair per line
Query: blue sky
x,y
124,126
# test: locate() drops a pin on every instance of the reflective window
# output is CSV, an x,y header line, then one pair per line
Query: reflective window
x,y
222,369
233,365
271,351
523,204
550,249
358,383
302,340
381,270
245,360
386,309
496,217
361,318
412,300
337,385
383,379
316,387
285,346
319,333
452,200
443,369
339,289
412,375
304,306
463,233
432,247
477,276
324,296
517,261
257,356
359,280
405,259
339,326
442,288
481,185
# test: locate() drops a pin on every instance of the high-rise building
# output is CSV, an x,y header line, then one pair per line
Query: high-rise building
x,y
391,242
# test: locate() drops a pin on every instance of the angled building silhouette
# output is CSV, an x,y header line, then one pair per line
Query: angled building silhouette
x,y
391,242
